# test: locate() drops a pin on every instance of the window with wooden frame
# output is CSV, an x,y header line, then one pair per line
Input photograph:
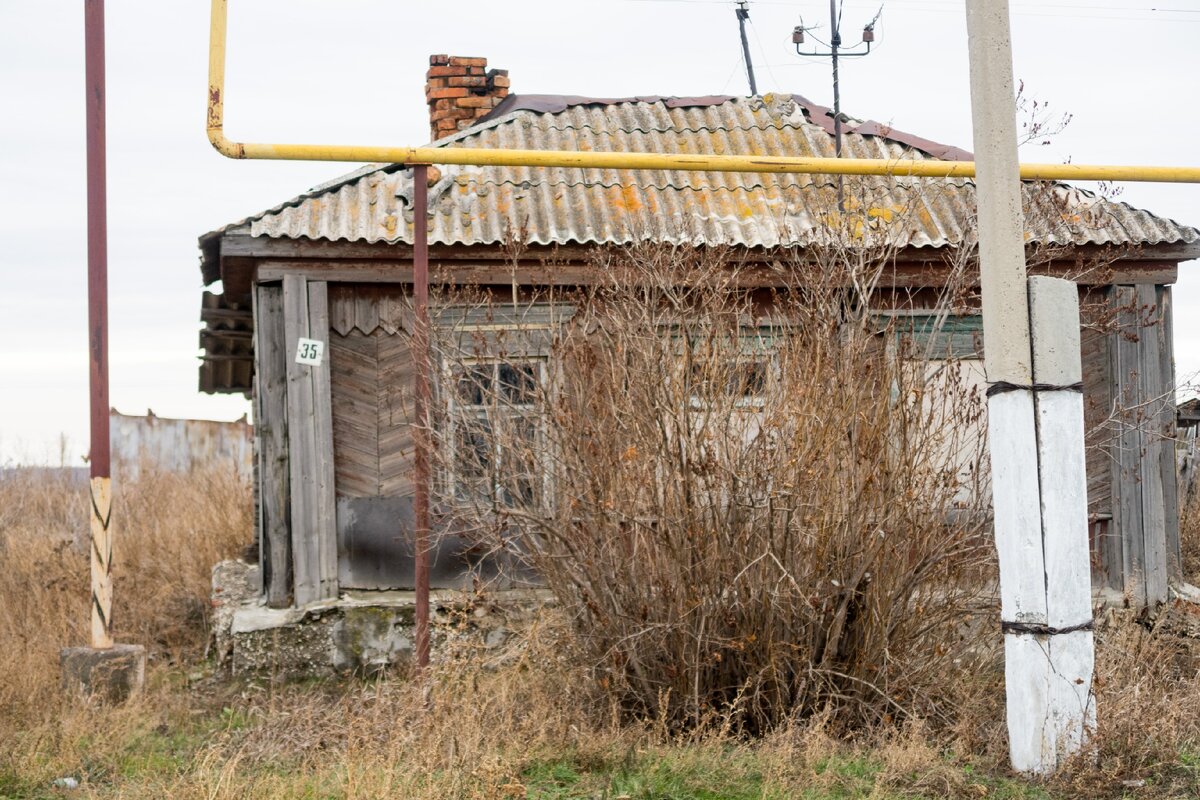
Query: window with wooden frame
x,y
741,377
938,337
496,438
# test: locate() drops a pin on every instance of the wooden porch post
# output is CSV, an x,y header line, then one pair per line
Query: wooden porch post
x,y
310,444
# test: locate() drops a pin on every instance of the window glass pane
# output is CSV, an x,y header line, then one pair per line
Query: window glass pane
x,y
475,385
521,469
749,379
518,382
474,447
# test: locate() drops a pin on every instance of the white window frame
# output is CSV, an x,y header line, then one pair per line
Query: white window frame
x,y
455,483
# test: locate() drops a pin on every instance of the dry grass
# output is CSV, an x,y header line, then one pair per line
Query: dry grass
x,y
535,726
170,530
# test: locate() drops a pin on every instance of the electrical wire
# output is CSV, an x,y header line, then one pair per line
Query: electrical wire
x,y
763,53
1092,12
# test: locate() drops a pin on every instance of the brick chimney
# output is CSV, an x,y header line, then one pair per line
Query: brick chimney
x,y
461,91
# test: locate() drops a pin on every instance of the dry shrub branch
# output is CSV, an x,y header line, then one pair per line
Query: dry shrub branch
x,y
755,505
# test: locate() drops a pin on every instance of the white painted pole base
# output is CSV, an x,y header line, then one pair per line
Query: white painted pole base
x,y
1051,711
1036,437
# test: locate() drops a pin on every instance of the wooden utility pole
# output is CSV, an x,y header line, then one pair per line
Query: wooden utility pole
x,y
1035,434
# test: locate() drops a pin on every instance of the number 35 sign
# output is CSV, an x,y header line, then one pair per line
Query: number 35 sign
x,y
310,351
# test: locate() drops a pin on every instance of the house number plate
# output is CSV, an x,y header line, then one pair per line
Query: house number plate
x,y
310,351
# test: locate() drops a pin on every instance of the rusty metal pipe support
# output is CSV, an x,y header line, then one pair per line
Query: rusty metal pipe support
x,y
598,160
424,399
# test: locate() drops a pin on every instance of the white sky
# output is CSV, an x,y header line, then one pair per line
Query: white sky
x,y
352,72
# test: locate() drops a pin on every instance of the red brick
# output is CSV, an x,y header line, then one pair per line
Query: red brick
x,y
501,82
479,101
469,81
438,94
452,114
453,72
439,60
467,61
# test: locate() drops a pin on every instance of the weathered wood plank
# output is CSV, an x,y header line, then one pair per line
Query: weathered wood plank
x,y
1150,385
1097,406
354,363
326,504
341,308
536,273
366,309
271,433
1167,465
310,441
1127,501
243,244
301,442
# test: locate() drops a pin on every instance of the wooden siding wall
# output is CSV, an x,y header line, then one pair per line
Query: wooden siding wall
x,y
372,413
335,451
293,418
1137,553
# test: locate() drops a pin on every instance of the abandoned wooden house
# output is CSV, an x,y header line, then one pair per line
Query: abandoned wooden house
x,y
335,451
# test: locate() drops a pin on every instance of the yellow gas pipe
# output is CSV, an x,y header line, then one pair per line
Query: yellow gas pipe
x,y
567,158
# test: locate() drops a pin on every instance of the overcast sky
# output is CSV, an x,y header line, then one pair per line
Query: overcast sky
x,y
352,72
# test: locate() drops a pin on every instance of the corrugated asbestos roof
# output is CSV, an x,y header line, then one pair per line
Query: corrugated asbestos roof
x,y
481,205
484,205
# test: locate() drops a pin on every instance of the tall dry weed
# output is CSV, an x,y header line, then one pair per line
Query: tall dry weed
x,y
169,531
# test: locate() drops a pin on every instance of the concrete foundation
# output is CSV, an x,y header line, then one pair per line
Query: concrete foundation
x,y
361,632
112,675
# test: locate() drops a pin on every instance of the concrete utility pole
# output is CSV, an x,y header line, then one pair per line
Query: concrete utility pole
x,y
1035,435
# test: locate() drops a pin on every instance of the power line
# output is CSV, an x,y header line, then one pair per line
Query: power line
x,y
763,52
1088,12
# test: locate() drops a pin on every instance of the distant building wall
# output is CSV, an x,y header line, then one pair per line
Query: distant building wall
x,y
179,445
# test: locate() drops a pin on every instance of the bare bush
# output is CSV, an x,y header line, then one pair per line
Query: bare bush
x,y
755,504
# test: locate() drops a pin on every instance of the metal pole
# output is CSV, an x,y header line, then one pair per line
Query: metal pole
x,y
424,395
97,259
743,14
